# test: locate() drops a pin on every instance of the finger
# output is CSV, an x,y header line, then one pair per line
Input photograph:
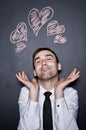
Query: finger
x,y
26,77
19,77
23,74
72,73
76,76
78,73
19,74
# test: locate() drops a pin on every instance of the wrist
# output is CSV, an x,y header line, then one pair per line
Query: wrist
x,y
59,93
33,96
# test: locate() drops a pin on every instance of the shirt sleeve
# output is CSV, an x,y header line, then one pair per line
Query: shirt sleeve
x,y
29,112
66,110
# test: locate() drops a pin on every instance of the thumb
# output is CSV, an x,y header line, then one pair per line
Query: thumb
x,y
34,80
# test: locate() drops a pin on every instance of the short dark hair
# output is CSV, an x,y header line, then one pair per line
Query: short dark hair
x,y
43,49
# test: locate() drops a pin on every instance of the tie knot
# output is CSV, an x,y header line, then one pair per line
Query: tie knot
x,y
47,94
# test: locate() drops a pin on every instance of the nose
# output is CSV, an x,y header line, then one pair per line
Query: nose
x,y
44,62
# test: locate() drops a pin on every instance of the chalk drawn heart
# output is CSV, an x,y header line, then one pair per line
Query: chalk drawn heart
x,y
37,19
60,39
20,46
19,34
54,28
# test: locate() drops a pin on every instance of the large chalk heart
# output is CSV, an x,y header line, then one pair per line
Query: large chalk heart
x,y
54,28
37,19
19,34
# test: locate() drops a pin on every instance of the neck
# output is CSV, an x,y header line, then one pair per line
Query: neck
x,y
48,84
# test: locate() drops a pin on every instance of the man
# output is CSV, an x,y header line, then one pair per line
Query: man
x,y
64,100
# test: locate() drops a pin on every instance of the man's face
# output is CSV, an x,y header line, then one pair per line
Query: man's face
x,y
46,66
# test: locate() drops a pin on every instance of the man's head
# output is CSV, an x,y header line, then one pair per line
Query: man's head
x,y
43,49
45,63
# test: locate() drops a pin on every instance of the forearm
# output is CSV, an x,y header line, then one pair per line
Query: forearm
x,y
66,109
63,117
30,118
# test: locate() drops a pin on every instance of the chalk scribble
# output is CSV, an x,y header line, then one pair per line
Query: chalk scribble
x,y
37,19
20,46
19,34
54,28
60,39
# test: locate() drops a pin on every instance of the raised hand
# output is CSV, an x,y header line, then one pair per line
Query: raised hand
x,y
32,85
64,82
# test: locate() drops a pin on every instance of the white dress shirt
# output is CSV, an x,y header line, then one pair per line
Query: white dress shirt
x,y
64,110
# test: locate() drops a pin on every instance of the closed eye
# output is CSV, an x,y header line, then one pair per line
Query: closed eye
x,y
38,61
49,58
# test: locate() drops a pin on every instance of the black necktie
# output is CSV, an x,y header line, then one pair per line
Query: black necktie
x,y
47,112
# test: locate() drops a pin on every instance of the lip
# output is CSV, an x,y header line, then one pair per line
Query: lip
x,y
44,69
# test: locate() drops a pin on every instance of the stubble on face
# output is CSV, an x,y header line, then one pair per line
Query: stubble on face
x,y
48,70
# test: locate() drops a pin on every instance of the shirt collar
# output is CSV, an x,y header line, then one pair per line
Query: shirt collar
x,y
42,91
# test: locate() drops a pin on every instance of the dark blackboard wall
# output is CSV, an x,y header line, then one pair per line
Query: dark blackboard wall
x,y
71,14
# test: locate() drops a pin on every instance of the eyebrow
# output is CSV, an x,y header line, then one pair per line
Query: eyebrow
x,y
45,55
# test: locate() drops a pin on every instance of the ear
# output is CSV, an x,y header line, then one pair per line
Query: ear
x,y
34,73
59,66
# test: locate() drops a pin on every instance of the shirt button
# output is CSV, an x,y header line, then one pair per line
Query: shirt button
x,y
57,105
